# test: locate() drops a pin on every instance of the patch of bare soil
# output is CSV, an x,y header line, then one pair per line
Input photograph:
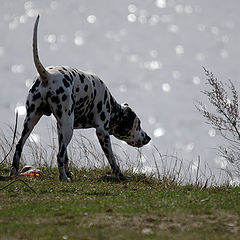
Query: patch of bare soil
x,y
173,221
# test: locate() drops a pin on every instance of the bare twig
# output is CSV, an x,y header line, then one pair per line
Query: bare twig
x,y
198,166
14,136
224,117
17,180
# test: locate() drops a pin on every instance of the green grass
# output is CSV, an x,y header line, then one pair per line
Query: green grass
x,y
97,206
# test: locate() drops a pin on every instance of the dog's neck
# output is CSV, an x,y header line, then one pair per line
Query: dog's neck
x,y
116,114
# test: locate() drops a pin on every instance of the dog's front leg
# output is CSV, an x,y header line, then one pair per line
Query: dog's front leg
x,y
104,140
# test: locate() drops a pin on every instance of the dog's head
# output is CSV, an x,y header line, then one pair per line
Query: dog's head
x,y
128,128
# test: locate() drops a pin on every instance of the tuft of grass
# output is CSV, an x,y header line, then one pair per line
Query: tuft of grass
x,y
97,206
83,154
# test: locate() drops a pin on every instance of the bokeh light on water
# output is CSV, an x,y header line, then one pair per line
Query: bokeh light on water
x,y
149,53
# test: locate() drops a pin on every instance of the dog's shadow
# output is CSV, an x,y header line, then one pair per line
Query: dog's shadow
x,y
104,178
113,179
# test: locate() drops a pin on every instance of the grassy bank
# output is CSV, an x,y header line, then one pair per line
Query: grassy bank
x,y
97,206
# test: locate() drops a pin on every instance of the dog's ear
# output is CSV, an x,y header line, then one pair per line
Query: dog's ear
x,y
128,114
126,110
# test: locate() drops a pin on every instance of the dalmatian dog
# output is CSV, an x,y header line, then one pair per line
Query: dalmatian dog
x,y
77,100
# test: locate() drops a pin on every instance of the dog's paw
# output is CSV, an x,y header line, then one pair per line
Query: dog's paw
x,y
69,180
69,175
122,177
65,179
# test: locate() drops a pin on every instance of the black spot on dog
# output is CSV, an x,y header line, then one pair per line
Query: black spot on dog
x,y
74,74
102,116
64,97
72,97
99,107
36,96
44,109
55,99
35,86
71,76
100,81
61,71
49,94
64,68
108,106
77,89
81,77
93,83
66,84
86,88
59,90
105,96
68,78
31,108
74,70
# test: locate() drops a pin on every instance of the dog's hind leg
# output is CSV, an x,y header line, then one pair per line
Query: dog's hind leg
x,y
30,121
65,131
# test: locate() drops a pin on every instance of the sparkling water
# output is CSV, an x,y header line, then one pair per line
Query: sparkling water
x,y
149,53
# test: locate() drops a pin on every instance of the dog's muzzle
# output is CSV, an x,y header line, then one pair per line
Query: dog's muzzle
x,y
147,140
141,143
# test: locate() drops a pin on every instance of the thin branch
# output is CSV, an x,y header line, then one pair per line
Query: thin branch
x,y
17,180
14,136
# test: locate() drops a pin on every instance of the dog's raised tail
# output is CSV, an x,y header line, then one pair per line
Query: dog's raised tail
x,y
40,68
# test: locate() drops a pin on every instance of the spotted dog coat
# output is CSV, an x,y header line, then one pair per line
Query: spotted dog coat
x,y
77,100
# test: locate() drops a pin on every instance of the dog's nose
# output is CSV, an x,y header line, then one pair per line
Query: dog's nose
x,y
148,139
